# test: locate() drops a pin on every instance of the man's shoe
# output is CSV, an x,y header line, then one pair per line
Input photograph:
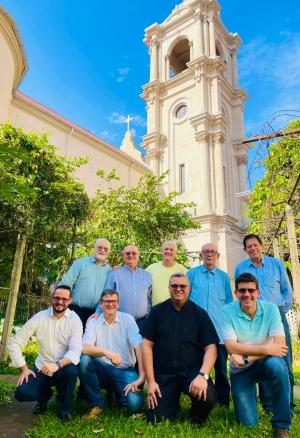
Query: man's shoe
x,y
64,417
40,408
281,433
94,412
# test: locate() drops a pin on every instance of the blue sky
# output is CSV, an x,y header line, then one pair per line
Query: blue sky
x,y
87,60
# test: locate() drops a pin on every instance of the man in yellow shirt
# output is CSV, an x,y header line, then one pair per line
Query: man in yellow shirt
x,y
161,272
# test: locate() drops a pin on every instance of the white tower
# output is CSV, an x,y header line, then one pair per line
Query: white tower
x,y
195,122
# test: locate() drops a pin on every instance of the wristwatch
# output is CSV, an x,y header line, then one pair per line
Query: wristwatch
x,y
246,359
205,375
58,364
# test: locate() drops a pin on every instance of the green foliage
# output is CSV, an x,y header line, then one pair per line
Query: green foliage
x,y
38,197
271,193
141,215
30,353
5,393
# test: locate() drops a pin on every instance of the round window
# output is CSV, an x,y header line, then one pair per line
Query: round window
x,y
181,112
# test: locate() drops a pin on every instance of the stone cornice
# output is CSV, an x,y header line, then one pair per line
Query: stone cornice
x,y
51,118
155,139
10,31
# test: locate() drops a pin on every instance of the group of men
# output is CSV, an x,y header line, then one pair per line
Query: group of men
x,y
168,327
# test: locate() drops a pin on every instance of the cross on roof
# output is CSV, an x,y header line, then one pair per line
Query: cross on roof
x,y
128,120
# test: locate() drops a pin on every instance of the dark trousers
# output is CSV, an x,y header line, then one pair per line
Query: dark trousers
x,y
39,388
221,379
171,386
265,393
83,312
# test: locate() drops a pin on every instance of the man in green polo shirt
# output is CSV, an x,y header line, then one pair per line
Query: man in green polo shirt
x,y
254,337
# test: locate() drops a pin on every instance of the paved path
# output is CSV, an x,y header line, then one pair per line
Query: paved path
x,y
16,418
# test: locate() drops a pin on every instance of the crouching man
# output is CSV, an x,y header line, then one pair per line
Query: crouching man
x,y
111,345
254,337
59,334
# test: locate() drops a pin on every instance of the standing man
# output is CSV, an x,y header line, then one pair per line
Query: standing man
x,y
161,272
59,334
179,351
254,337
210,289
86,278
111,345
133,285
275,288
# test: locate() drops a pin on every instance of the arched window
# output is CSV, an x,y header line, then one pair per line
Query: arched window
x,y
179,57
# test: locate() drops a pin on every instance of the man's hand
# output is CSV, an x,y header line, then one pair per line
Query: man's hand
x,y
135,386
277,350
49,369
198,388
93,316
153,392
25,375
237,360
115,358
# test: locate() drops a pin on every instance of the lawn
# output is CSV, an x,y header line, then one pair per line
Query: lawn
x,y
115,423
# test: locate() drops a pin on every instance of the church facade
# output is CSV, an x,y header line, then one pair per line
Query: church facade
x,y
194,121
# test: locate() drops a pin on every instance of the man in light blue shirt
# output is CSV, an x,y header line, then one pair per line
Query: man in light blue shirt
x,y
275,288
254,337
111,345
133,284
210,289
87,277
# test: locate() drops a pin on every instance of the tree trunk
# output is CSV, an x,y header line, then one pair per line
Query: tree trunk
x,y
13,296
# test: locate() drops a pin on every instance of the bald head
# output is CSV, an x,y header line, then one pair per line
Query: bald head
x,y
209,254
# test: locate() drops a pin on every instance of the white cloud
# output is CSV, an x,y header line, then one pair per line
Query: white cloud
x,y
118,119
108,136
121,74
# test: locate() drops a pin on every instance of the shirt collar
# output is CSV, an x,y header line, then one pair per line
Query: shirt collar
x,y
66,314
128,268
93,260
208,270
241,314
103,321
262,262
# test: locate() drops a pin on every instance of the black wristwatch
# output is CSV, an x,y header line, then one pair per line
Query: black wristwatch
x,y
246,359
205,375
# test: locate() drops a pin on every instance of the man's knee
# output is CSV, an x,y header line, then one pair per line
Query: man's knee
x,y
276,367
135,401
85,363
23,394
70,372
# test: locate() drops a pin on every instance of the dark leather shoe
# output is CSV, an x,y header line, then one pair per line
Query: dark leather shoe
x,y
40,408
64,417
281,433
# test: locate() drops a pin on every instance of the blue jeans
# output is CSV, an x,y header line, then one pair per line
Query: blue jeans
x,y
221,379
96,375
39,388
265,394
272,370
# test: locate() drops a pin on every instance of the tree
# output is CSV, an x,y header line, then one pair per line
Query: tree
x,y
141,215
274,190
39,204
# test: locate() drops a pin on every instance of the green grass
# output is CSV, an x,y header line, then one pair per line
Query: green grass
x,y
114,424
5,393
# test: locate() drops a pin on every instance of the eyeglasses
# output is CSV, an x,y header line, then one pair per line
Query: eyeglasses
x,y
106,302
207,252
102,248
178,286
243,290
128,253
58,299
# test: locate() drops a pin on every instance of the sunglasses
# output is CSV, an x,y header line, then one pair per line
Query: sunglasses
x,y
178,286
243,290
58,299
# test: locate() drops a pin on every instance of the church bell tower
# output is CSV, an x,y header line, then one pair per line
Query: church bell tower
x,y
195,122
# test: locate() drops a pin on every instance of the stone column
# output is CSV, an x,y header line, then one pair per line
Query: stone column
x,y
154,59
205,193
167,67
198,47
220,175
206,36
242,161
234,68
212,41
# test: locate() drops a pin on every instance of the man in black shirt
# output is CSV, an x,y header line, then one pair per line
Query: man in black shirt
x,y
179,351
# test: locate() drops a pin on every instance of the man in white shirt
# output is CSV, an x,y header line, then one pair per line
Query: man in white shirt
x,y
111,345
59,334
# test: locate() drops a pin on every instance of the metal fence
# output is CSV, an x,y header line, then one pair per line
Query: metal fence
x,y
27,305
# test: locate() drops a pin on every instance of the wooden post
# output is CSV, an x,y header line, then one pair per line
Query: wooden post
x,y
291,232
276,250
13,296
